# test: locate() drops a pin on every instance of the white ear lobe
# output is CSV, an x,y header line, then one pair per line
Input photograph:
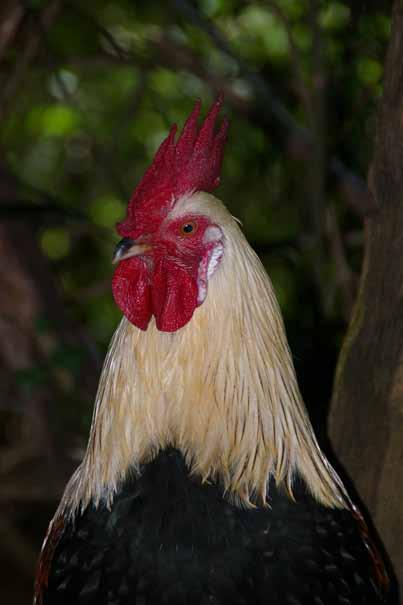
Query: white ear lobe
x,y
214,259
207,267
212,234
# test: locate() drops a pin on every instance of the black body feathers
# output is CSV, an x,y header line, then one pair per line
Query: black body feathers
x,y
170,540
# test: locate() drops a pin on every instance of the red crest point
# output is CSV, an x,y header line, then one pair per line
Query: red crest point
x,y
193,163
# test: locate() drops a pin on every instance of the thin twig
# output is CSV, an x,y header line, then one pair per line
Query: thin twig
x,y
261,87
26,56
297,139
10,22
298,70
101,153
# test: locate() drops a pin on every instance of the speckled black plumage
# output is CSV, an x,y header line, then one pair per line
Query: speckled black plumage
x,y
170,540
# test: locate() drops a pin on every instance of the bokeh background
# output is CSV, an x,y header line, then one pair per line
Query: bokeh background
x,y
87,92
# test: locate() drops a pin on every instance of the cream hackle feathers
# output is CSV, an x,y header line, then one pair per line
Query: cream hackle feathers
x,y
222,390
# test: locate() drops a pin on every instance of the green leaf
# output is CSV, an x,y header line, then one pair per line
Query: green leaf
x,y
263,28
335,16
55,120
164,82
55,242
59,120
369,70
292,8
105,211
65,82
302,36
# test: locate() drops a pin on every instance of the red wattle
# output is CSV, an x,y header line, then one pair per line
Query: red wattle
x,y
174,295
168,291
131,287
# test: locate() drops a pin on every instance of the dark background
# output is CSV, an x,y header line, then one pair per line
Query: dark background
x,y
87,93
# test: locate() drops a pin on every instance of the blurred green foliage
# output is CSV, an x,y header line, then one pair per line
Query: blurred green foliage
x,y
91,102
102,94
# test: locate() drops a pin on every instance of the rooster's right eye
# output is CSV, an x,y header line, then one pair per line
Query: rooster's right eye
x,y
188,228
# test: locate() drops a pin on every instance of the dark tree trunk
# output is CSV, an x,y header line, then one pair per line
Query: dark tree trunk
x,y
366,423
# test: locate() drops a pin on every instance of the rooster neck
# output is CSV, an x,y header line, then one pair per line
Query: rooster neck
x,y
222,390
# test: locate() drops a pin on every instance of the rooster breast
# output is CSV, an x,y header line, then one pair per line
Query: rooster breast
x,y
168,539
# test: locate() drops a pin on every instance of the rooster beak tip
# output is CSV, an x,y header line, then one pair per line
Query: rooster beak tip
x,y
127,248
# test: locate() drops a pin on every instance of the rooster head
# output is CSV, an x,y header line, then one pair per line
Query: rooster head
x,y
166,256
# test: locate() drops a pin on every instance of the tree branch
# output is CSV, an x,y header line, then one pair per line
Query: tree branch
x,y
302,89
262,89
27,55
10,21
296,140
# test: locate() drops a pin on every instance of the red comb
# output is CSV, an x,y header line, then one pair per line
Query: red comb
x,y
193,163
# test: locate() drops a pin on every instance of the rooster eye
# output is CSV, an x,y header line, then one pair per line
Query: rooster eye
x,y
188,228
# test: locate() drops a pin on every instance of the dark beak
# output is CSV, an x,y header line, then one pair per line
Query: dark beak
x,y
128,247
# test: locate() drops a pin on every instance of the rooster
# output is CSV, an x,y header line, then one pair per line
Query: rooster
x,y
203,482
